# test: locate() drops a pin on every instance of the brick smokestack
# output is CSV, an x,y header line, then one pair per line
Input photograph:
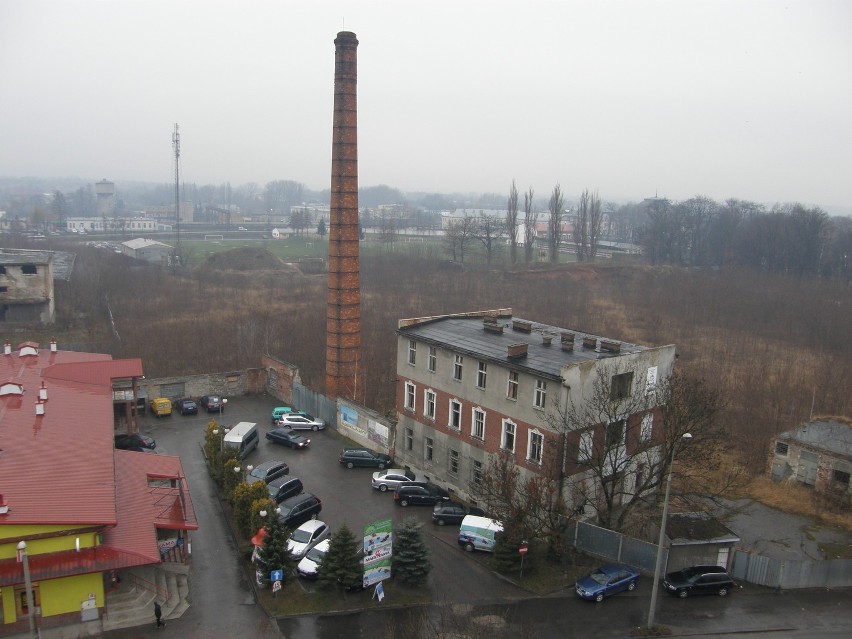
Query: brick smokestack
x,y
343,370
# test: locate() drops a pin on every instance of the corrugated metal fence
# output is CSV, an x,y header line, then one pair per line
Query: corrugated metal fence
x,y
791,573
315,403
614,546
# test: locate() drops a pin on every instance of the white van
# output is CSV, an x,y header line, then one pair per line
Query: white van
x,y
477,533
243,437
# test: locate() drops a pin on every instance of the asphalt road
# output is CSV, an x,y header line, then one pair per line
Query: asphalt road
x,y
223,603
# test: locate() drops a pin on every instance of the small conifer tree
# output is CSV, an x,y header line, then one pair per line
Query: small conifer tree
x,y
273,554
341,567
410,554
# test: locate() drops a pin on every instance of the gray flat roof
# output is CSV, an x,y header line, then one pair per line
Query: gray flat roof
x,y
828,435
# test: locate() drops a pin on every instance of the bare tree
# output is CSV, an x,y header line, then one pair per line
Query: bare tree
x,y
554,224
594,227
581,226
460,232
489,231
512,222
530,219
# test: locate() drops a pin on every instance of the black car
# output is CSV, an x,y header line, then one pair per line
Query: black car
x,y
452,512
295,511
212,404
134,441
699,580
267,471
351,457
185,406
419,495
284,488
287,437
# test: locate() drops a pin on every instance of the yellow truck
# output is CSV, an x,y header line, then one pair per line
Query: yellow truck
x,y
161,407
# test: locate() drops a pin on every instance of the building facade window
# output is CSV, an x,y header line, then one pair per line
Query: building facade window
x,y
651,380
455,414
586,444
512,387
535,447
647,428
615,432
433,359
429,404
781,448
481,375
409,439
412,352
508,439
540,397
458,365
621,386
410,394
429,449
476,473
477,427
454,462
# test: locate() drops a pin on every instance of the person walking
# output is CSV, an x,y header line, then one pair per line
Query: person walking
x,y
158,613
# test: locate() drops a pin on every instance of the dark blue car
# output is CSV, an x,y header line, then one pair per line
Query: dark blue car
x,y
606,581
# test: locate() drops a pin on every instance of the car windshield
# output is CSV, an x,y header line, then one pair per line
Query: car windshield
x,y
316,554
260,473
600,577
301,536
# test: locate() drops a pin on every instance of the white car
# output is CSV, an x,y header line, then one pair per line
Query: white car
x,y
309,566
306,537
300,422
390,478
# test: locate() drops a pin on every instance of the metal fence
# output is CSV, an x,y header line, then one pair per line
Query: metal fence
x,y
614,546
315,403
791,573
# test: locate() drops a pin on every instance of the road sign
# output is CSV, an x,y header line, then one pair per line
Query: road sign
x,y
276,575
523,549
276,586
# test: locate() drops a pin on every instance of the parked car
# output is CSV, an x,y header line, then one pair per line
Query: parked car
x,y
186,406
393,477
306,537
605,581
267,471
284,488
286,437
699,580
133,441
161,407
279,411
351,457
300,422
452,512
212,403
308,567
297,510
419,495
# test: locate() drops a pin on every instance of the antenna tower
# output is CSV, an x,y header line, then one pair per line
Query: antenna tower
x,y
176,145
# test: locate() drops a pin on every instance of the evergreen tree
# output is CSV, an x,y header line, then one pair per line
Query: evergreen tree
x,y
321,230
273,554
506,544
410,555
341,567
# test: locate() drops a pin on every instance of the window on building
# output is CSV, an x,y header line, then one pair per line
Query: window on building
x,y
647,428
412,352
840,476
409,439
615,433
781,448
508,440
481,375
476,474
477,428
410,391
4,289
535,447
429,405
454,462
621,386
433,359
651,380
2,270
21,599
540,393
429,449
29,269
455,414
457,368
586,444
512,388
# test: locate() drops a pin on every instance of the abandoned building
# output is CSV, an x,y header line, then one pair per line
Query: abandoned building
x,y
818,454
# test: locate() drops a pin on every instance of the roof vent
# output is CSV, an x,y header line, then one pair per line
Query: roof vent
x,y
522,325
517,351
610,347
567,340
52,344
11,388
42,393
590,342
7,348
27,348
39,408
546,340
491,325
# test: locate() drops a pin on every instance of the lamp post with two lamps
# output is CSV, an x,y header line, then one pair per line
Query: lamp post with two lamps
x,y
222,403
656,583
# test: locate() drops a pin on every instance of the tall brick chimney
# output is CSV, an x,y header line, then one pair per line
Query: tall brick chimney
x,y
343,369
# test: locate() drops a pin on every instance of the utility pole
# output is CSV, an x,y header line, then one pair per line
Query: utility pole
x,y
177,251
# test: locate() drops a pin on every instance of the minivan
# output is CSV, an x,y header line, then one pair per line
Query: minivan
x,y
243,437
477,533
161,407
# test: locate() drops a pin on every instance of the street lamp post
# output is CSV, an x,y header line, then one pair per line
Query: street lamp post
x,y
28,584
222,403
656,583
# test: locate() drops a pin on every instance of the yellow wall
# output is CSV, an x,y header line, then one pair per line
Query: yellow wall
x,y
67,594
64,539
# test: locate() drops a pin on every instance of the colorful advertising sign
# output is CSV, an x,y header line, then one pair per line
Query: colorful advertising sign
x,y
378,550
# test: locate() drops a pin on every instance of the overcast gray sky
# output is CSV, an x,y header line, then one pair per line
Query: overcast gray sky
x,y
748,99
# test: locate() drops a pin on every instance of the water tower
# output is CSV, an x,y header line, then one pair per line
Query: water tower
x,y
105,190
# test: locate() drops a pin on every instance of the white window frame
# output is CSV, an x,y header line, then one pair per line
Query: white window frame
x,y
475,423
512,386
540,397
455,404
412,352
646,429
428,449
507,423
453,462
458,367
482,375
409,439
476,471
535,433
429,399
651,380
433,359
410,396
587,447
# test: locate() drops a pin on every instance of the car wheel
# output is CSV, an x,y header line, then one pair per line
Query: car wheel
x,y
381,466
723,592
350,465
440,522
632,586
383,488
403,502
599,597
315,428
682,594
469,547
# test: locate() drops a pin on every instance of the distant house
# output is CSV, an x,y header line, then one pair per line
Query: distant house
x,y
26,287
819,454
148,250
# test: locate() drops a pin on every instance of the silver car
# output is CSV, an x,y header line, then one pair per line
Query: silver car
x,y
390,478
300,422
306,537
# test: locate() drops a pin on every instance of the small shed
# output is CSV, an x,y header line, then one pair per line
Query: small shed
x,y
698,539
818,454
144,249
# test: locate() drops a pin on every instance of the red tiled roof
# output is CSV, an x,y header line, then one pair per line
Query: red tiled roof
x,y
69,563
